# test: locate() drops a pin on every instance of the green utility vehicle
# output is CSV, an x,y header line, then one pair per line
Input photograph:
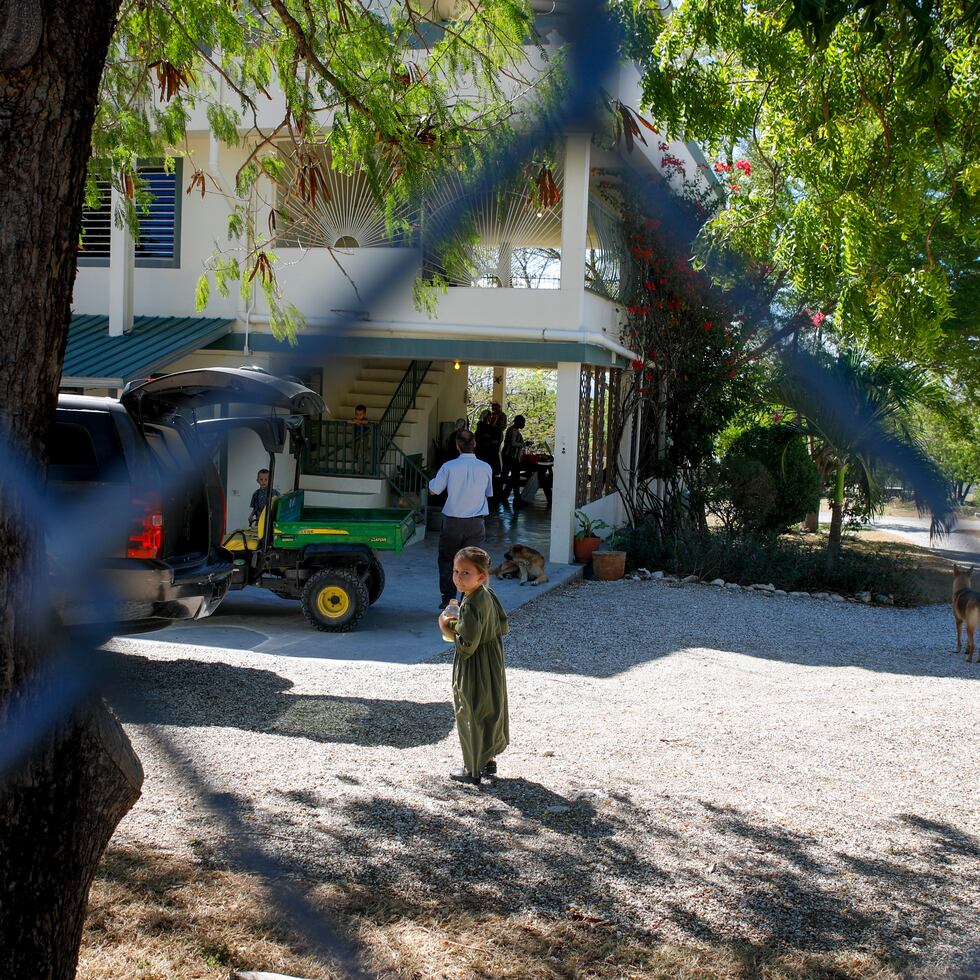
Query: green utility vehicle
x,y
324,556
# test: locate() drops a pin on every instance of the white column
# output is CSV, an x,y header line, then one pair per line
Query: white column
x,y
122,259
566,461
575,224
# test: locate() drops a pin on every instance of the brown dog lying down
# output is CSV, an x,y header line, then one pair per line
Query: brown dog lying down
x,y
966,607
524,562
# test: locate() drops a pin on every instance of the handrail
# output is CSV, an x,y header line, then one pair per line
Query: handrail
x,y
401,401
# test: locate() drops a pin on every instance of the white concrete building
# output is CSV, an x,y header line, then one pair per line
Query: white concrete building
x,y
364,337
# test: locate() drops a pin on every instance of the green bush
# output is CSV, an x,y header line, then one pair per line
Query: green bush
x,y
787,562
767,480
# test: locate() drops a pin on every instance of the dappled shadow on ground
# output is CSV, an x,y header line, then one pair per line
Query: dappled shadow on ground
x,y
194,693
660,871
601,629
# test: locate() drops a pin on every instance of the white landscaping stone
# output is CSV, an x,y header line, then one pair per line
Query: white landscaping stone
x,y
780,592
717,581
657,575
884,600
834,597
800,595
690,578
820,595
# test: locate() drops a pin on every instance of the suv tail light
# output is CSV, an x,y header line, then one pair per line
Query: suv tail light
x,y
146,537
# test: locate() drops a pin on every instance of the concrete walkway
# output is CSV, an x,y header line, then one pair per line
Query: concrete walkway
x,y
399,628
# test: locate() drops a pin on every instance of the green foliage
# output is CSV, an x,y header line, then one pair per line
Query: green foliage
x,y
786,562
857,124
768,479
954,442
586,526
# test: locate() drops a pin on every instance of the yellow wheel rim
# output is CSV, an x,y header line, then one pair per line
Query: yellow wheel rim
x,y
332,602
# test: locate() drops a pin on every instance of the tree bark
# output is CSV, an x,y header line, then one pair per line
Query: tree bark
x,y
836,519
60,798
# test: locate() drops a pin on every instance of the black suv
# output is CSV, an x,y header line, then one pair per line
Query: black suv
x,y
141,547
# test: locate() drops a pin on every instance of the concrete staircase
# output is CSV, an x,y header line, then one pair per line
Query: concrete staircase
x,y
374,387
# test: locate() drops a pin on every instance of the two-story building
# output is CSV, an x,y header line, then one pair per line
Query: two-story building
x,y
365,340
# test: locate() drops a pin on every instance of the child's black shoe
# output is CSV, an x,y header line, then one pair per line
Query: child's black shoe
x,y
489,771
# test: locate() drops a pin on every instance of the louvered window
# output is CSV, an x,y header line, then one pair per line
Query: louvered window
x,y
159,241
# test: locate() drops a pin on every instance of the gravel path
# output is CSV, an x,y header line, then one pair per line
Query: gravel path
x,y
704,765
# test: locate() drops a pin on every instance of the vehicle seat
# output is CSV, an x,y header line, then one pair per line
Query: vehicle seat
x,y
248,538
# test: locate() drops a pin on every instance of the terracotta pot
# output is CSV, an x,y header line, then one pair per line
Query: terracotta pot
x,y
609,566
584,548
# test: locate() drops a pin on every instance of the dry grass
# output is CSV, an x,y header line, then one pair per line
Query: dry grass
x,y
932,570
155,915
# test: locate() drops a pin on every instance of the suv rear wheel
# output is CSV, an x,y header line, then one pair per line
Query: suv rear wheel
x,y
334,600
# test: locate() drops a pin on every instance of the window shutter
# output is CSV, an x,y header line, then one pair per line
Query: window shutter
x,y
158,225
159,241
96,228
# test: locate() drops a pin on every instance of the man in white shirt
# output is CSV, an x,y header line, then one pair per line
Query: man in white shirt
x,y
468,483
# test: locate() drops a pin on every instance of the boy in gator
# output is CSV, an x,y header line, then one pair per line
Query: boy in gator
x,y
479,681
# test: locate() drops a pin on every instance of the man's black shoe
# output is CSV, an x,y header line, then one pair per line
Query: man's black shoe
x,y
462,776
490,769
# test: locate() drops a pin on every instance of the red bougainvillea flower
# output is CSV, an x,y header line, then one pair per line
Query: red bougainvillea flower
x,y
644,391
731,373
777,417
817,318
722,168
643,253
652,355
706,325
744,166
649,286
637,365
663,146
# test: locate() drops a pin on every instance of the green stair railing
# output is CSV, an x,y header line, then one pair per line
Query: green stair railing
x,y
401,401
337,448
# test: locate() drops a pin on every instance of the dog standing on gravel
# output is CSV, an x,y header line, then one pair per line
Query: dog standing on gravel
x,y
522,561
966,607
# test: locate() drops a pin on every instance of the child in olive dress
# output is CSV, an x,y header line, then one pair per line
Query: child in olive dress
x,y
479,682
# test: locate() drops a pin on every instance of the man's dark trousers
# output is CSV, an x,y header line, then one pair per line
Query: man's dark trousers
x,y
457,532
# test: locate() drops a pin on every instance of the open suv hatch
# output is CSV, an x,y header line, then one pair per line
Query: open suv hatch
x,y
142,547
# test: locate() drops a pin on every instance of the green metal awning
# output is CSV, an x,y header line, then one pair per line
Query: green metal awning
x,y
93,359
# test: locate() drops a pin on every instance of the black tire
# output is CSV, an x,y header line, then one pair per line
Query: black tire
x,y
375,581
334,600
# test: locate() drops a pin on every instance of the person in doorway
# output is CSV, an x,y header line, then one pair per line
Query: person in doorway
x,y
489,436
468,483
512,454
450,448
477,628
360,421
261,497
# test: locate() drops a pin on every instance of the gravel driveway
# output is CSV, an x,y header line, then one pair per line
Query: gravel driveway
x,y
702,765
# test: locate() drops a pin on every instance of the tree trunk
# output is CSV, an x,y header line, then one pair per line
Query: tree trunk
x,y
62,796
836,519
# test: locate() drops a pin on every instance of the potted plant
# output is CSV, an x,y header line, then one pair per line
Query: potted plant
x,y
586,539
